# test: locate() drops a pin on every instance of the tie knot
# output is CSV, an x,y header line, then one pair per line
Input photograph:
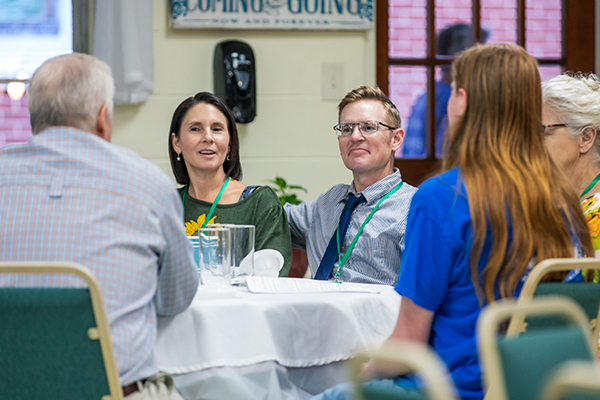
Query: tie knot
x,y
353,201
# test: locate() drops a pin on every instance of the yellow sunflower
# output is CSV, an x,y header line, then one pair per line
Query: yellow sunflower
x,y
593,221
192,227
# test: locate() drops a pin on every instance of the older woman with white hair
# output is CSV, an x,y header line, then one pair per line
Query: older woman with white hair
x,y
571,118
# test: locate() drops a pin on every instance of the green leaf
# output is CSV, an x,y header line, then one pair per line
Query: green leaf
x,y
284,191
298,187
293,199
280,182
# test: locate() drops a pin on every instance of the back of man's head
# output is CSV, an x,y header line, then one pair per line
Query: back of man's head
x,y
69,90
456,38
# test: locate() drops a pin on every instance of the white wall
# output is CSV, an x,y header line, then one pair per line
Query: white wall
x,y
292,135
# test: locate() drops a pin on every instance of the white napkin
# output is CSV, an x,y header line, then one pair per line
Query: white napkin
x,y
267,262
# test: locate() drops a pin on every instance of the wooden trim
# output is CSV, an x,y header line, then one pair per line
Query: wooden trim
x,y
579,37
415,171
432,61
435,61
521,22
382,45
430,113
551,61
564,30
476,20
431,97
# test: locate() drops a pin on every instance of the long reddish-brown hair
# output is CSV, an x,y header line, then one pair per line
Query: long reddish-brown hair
x,y
511,182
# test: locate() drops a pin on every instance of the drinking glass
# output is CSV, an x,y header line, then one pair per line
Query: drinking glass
x,y
196,246
215,256
242,251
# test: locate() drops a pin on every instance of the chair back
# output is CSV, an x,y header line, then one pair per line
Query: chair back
x,y
574,380
437,383
516,366
54,341
585,294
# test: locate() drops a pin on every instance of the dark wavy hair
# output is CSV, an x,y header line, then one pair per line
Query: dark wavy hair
x,y
232,167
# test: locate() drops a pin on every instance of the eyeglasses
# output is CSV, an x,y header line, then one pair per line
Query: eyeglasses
x,y
551,126
365,127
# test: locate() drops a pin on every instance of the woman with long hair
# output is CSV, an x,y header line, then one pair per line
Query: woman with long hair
x,y
204,153
475,230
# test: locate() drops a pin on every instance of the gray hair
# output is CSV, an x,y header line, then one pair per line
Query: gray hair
x,y
69,90
575,98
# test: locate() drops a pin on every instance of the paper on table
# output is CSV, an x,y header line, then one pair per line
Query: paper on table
x,y
260,284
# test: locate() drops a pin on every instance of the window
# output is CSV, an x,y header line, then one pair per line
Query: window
x,y
417,40
31,31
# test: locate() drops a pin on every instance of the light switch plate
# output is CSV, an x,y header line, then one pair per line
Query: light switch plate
x,y
332,81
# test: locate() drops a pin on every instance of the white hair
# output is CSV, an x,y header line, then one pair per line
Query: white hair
x,y
575,98
69,90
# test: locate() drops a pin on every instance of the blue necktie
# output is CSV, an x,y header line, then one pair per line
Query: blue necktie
x,y
331,254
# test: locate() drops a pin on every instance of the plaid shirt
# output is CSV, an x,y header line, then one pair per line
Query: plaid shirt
x,y
376,256
67,195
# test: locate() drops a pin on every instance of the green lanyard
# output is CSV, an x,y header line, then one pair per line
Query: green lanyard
x,y
214,204
591,185
342,261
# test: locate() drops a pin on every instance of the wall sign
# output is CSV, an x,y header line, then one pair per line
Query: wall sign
x,y
272,14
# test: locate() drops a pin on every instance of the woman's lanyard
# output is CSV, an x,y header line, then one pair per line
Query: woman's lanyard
x,y
342,261
214,204
591,185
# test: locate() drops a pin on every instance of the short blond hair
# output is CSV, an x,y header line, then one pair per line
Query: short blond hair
x,y
372,93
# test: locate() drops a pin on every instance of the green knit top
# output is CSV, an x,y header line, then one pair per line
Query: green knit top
x,y
261,209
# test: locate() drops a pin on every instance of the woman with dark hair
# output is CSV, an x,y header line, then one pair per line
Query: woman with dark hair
x,y
474,232
204,154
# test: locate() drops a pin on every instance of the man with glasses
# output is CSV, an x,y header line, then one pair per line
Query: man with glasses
x,y
355,233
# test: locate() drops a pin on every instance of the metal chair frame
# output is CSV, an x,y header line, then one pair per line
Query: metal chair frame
x,y
487,333
418,357
100,332
517,323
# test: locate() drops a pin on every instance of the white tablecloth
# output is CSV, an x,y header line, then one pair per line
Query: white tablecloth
x,y
270,346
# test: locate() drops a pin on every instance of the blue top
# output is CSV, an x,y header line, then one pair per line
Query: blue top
x,y
376,255
414,140
436,275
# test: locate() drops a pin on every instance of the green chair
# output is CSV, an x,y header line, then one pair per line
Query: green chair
x,y
437,384
574,380
586,294
55,341
516,366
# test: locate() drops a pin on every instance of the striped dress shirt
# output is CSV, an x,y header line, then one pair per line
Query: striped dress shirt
x,y
378,250
67,195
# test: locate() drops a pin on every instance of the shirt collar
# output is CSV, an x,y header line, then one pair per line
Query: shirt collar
x,y
377,190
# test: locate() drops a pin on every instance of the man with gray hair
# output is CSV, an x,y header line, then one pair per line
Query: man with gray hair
x,y
355,233
69,195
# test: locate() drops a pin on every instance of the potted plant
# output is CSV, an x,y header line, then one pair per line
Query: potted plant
x,y
285,191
